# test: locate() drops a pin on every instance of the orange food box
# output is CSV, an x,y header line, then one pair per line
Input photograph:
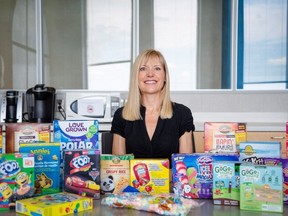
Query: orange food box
x,y
150,176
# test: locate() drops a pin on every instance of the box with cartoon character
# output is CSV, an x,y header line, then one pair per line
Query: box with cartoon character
x,y
226,183
16,178
150,176
261,188
47,170
82,172
115,173
54,204
285,179
192,174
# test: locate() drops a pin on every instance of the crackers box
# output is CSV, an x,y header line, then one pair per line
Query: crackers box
x,y
54,204
261,188
192,174
16,178
17,133
150,176
47,170
226,183
223,137
82,172
250,151
115,173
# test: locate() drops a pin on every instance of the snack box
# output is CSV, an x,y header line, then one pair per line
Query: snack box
x,y
150,176
226,183
115,173
25,132
192,174
250,151
261,188
285,179
286,139
82,172
2,147
223,137
47,170
16,178
54,204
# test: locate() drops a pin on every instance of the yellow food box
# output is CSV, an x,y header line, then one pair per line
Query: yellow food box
x,y
54,204
150,176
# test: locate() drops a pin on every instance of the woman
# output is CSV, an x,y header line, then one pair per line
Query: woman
x,y
150,125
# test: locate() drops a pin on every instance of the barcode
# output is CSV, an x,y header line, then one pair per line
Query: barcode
x,y
19,207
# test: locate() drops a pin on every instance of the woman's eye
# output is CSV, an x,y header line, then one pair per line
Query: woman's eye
x,y
142,69
158,68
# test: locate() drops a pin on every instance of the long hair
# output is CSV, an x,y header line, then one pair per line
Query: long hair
x,y
131,110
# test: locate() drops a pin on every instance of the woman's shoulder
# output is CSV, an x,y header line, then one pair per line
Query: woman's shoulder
x,y
180,107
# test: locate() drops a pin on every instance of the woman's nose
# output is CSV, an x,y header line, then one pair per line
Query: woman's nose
x,y
150,72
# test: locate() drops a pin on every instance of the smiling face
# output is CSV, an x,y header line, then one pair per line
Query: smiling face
x,y
151,77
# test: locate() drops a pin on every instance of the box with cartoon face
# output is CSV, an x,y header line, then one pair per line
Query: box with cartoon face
x,y
16,178
261,188
226,183
193,173
82,172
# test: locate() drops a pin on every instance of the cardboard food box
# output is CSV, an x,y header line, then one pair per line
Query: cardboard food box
x,y
47,162
251,151
16,178
115,173
54,204
285,179
82,172
223,137
286,139
261,188
17,133
226,183
192,174
150,176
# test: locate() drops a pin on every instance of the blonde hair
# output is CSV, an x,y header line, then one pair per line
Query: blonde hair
x,y
131,110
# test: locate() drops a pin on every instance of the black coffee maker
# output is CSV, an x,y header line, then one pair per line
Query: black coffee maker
x,y
11,107
40,104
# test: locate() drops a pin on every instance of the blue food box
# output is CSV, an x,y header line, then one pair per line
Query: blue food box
x,y
226,183
192,174
261,188
47,162
250,151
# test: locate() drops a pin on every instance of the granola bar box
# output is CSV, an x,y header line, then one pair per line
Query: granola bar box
x,y
192,174
47,170
150,176
115,173
54,204
82,172
16,178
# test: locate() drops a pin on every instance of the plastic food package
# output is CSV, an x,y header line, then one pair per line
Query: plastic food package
x,y
162,204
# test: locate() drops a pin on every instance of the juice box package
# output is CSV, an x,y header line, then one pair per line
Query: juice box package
x,y
150,176
226,183
192,174
223,137
115,173
17,133
47,170
54,204
82,172
261,188
285,179
251,151
16,178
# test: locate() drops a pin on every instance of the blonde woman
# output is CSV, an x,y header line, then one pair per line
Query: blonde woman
x,y
150,125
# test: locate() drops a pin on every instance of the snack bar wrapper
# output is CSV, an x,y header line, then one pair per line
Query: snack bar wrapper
x,y
162,204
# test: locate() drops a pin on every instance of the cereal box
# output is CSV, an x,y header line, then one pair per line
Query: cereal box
x,y
54,204
226,183
223,137
16,178
47,170
115,173
251,151
192,174
82,172
261,188
150,176
17,133
285,179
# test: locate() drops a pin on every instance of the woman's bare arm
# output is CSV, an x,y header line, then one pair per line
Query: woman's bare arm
x,y
118,147
185,143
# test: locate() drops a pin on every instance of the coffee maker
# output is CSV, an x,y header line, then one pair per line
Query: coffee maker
x,y
11,107
40,104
